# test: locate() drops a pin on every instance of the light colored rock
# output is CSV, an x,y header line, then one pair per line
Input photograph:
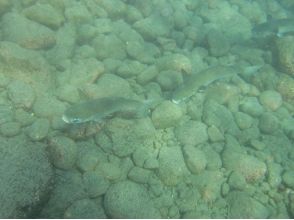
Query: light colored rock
x,y
218,43
21,94
44,14
219,116
169,79
288,178
63,152
242,205
38,130
285,48
26,33
47,107
251,106
195,159
243,120
10,129
271,99
172,167
166,115
250,167
127,199
108,85
268,123
95,184
109,46
192,133
77,13
84,208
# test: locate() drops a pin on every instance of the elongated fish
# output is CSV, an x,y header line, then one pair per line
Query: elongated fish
x,y
193,83
278,27
103,108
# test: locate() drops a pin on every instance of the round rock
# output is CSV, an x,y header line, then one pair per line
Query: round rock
x,y
271,99
127,199
192,133
166,115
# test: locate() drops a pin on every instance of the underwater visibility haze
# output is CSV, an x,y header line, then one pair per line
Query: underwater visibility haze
x,y
147,109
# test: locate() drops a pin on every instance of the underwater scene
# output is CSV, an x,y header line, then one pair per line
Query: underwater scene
x,y
146,109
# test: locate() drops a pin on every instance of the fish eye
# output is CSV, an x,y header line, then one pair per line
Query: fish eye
x,y
75,120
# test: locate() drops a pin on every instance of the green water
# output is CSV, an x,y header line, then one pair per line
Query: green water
x,y
146,109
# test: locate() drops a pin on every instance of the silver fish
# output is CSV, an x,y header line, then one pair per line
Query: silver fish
x,y
279,28
101,109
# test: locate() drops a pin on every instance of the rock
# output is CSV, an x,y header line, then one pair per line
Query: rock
x,y
125,200
84,209
243,120
268,123
26,33
44,14
127,135
152,27
288,178
26,177
109,85
219,116
4,6
251,106
89,157
47,107
237,181
64,47
68,189
209,184
109,171
250,167
235,26
77,13
285,86
215,134
95,184
195,159
109,46
114,8
274,176
192,133
21,94
68,93
63,152
39,129
218,44
10,129
176,62
139,175
169,79
23,117
6,113
166,114
285,50
151,163
271,99
172,167
147,75
25,59
242,205
91,69
130,68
